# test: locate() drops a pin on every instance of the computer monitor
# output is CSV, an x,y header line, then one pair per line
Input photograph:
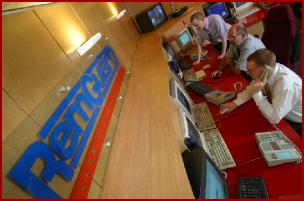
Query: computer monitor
x,y
207,181
240,6
219,8
184,39
180,97
157,15
151,18
191,134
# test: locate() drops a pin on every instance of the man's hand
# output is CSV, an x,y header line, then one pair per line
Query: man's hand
x,y
216,74
227,107
235,70
196,62
259,83
221,56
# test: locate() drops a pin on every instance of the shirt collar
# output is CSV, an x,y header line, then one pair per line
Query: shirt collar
x,y
271,79
245,41
206,21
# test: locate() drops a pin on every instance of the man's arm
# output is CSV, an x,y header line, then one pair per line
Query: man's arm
x,y
281,104
242,97
224,47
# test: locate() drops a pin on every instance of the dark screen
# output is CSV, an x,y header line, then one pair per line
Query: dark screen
x,y
183,100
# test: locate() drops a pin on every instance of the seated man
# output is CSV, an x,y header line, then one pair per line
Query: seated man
x,y
212,27
242,45
282,87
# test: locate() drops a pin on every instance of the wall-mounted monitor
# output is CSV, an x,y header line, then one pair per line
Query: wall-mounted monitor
x,y
219,8
152,18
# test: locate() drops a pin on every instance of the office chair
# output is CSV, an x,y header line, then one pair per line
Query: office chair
x,y
279,34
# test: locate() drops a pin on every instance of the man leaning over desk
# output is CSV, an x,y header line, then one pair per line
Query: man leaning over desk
x,y
241,46
276,90
212,27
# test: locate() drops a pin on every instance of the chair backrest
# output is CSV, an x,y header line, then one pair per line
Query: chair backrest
x,y
279,34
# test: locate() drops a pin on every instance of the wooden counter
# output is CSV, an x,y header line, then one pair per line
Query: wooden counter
x,y
145,160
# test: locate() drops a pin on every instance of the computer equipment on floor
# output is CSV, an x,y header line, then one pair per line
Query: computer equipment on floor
x,y
183,63
199,113
210,140
218,149
277,148
206,180
191,134
252,188
199,87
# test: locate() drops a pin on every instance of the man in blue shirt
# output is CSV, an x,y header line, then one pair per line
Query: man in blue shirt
x,y
242,45
212,27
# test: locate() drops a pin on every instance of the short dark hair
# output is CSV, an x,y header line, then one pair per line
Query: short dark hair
x,y
262,57
196,16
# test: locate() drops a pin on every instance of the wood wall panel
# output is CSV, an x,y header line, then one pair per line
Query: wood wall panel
x,y
12,115
94,23
68,32
122,36
33,63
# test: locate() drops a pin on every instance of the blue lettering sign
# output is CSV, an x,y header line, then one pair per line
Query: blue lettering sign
x,y
67,137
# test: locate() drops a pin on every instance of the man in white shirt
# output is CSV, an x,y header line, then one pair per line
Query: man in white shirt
x,y
282,87
212,27
242,45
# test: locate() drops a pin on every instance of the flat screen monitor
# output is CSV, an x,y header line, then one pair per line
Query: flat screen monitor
x,y
184,39
180,97
218,8
156,15
207,181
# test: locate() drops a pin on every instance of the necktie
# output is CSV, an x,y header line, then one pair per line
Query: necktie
x,y
266,91
209,35
238,52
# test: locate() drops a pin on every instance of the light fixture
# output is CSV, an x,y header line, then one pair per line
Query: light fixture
x,y
89,44
120,14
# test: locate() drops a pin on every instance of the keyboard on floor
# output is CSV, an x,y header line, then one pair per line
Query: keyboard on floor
x,y
218,149
203,117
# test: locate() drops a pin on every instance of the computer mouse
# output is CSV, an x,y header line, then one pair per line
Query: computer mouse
x,y
215,76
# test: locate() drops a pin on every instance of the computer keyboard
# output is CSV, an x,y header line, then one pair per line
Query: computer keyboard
x,y
189,75
203,117
184,64
252,187
199,87
218,149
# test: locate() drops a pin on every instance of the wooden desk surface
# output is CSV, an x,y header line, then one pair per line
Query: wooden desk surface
x,y
145,160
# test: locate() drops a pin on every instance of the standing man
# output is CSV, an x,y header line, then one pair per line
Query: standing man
x,y
276,90
212,27
242,45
